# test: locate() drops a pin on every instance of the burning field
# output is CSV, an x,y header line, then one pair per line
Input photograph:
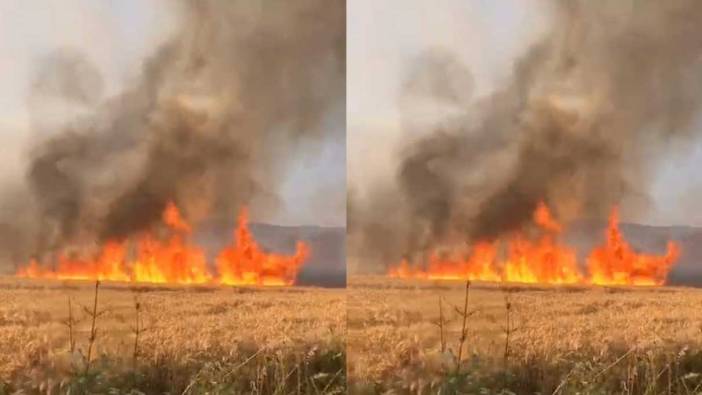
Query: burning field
x,y
525,315
515,235
153,314
128,261
545,260
174,259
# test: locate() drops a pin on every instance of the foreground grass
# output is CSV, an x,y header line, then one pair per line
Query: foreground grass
x,y
522,340
262,372
640,372
170,340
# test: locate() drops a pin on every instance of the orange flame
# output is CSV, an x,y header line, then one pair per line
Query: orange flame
x,y
108,265
177,260
479,265
616,263
545,260
245,263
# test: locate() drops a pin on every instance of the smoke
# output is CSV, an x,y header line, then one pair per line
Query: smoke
x,y
588,111
216,114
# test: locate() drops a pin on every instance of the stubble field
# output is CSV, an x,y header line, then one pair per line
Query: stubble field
x,y
186,340
522,339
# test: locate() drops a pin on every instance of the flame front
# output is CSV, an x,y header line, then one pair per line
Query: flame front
x,y
245,263
175,259
108,265
615,262
478,265
547,261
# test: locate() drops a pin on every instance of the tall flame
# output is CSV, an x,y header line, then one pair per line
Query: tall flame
x,y
545,260
176,260
615,262
245,263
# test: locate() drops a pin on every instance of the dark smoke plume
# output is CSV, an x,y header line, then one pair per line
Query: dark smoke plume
x,y
217,112
586,114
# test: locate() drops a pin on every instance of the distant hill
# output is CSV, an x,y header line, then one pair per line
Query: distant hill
x,y
650,239
326,265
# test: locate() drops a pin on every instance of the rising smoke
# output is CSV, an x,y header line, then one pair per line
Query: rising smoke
x,y
217,113
588,111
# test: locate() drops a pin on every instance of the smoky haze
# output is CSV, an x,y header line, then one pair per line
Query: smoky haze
x,y
217,113
589,110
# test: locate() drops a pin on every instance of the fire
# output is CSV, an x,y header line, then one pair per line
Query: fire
x,y
108,265
615,262
175,259
544,259
476,266
245,263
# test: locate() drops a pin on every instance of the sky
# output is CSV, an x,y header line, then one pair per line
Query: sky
x,y
385,36
116,36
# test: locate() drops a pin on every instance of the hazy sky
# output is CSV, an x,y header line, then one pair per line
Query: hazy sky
x,y
116,36
383,38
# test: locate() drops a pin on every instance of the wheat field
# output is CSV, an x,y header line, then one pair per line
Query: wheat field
x,y
522,339
190,339
589,340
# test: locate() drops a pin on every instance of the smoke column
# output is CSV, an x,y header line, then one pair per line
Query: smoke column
x,y
219,109
587,113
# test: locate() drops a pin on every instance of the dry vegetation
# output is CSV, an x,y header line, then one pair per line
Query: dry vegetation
x,y
177,340
561,339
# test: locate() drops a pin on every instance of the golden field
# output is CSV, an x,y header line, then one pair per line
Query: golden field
x,y
562,339
191,339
